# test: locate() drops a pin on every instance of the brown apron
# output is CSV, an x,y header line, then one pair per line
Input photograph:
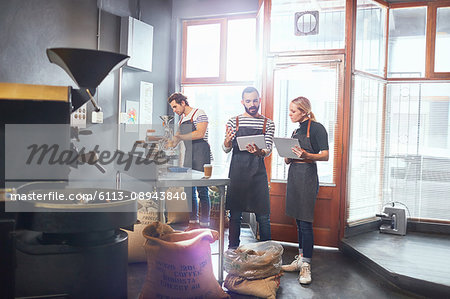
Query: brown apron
x,y
248,190
302,184
197,151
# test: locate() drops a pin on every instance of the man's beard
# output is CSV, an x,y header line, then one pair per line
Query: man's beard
x,y
252,112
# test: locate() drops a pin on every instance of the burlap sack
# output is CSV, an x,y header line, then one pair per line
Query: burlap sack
x,y
147,211
136,252
263,288
147,214
254,260
177,217
179,264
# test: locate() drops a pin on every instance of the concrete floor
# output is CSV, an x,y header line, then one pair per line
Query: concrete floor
x,y
334,276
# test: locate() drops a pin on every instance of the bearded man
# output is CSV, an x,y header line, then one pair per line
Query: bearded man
x,y
248,190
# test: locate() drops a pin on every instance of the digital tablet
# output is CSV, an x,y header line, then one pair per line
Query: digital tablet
x,y
284,146
243,141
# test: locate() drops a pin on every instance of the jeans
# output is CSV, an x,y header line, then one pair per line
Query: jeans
x,y
235,228
305,237
205,204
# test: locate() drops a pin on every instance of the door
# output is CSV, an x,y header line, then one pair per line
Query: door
x,y
320,79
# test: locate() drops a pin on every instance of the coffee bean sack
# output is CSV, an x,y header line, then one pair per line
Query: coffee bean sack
x,y
179,264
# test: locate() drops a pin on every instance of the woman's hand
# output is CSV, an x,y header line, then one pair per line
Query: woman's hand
x,y
299,152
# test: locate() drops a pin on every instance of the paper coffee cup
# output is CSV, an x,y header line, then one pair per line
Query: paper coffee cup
x,y
207,168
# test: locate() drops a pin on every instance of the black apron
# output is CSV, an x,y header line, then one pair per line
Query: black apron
x,y
197,151
248,190
302,184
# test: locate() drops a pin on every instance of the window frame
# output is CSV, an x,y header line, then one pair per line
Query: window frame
x,y
331,51
223,21
430,75
431,41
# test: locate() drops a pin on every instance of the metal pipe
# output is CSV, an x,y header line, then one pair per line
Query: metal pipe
x,y
118,180
99,24
99,18
119,106
221,231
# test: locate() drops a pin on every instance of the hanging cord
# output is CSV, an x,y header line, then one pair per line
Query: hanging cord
x,y
99,25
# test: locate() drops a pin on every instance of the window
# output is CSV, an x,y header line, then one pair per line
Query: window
x,y
220,103
241,58
331,25
203,51
417,154
370,38
219,50
407,43
219,62
319,82
408,162
364,179
400,127
442,48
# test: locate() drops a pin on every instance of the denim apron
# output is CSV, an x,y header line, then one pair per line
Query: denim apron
x,y
302,184
197,151
248,190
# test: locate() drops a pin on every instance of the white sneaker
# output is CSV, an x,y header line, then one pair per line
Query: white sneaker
x,y
294,266
305,274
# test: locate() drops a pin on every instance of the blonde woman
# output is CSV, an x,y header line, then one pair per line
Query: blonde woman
x,y
303,181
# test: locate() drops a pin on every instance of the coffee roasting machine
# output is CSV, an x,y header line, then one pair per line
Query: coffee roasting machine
x,y
47,253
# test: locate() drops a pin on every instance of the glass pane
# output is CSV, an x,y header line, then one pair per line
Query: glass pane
x,y
417,154
364,185
319,83
406,44
442,58
331,25
203,51
220,103
241,52
260,60
370,38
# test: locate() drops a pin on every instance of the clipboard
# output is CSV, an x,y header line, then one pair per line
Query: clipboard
x,y
243,141
284,146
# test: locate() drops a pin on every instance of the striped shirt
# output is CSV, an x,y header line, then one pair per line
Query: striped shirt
x,y
199,117
253,123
